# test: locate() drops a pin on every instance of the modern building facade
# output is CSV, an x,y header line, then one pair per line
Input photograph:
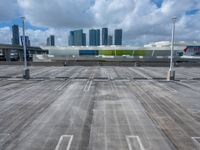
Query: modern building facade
x,y
48,41
98,37
118,37
83,39
94,37
71,38
77,38
15,35
51,40
27,41
104,36
113,51
110,40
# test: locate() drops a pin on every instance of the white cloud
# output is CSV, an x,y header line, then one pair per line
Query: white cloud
x,y
8,9
5,35
58,13
38,37
141,20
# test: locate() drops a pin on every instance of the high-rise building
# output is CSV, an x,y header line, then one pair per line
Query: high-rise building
x,y
118,37
98,37
84,39
27,41
94,37
110,40
15,35
71,38
51,40
104,36
48,41
77,38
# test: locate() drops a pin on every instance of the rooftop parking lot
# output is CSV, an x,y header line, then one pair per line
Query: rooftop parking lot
x,y
99,108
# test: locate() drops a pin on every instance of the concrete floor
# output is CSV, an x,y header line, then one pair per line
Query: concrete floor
x,y
99,108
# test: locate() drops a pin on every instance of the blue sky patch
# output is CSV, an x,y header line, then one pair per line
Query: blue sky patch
x,y
158,2
19,22
192,12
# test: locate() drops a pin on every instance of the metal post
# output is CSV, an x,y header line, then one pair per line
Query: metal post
x,y
171,72
26,74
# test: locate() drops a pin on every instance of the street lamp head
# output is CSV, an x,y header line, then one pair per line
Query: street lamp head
x,y
22,17
174,19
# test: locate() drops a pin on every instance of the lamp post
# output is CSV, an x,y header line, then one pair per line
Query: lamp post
x,y
26,73
171,72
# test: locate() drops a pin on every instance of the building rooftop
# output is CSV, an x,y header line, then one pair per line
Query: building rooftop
x,y
114,108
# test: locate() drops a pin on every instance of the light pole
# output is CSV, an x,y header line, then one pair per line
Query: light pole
x,y
171,72
26,74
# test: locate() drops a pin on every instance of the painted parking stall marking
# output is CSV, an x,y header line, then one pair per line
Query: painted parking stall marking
x,y
64,142
134,142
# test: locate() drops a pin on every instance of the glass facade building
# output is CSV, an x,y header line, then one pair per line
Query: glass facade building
x,y
83,39
118,37
98,37
104,36
15,35
110,40
77,38
71,38
51,40
94,37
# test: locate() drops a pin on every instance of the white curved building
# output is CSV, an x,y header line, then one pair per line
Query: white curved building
x,y
153,49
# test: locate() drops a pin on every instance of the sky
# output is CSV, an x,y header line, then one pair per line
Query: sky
x,y
142,21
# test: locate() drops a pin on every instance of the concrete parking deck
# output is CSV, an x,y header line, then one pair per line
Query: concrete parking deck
x,y
99,108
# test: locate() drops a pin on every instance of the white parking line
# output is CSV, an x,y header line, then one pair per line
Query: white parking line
x,y
87,86
61,86
61,139
109,76
141,74
92,76
134,137
196,141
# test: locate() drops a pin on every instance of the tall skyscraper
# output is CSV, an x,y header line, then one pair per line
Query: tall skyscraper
x,y
104,36
77,38
110,40
84,39
15,35
94,37
98,37
51,40
27,41
71,38
48,41
118,37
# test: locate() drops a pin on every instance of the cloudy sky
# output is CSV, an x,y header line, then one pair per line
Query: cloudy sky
x,y
142,21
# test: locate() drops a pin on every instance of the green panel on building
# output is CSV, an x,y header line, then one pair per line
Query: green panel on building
x,y
139,53
107,52
124,52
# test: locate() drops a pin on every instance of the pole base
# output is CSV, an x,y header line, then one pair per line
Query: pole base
x,y
26,74
171,75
